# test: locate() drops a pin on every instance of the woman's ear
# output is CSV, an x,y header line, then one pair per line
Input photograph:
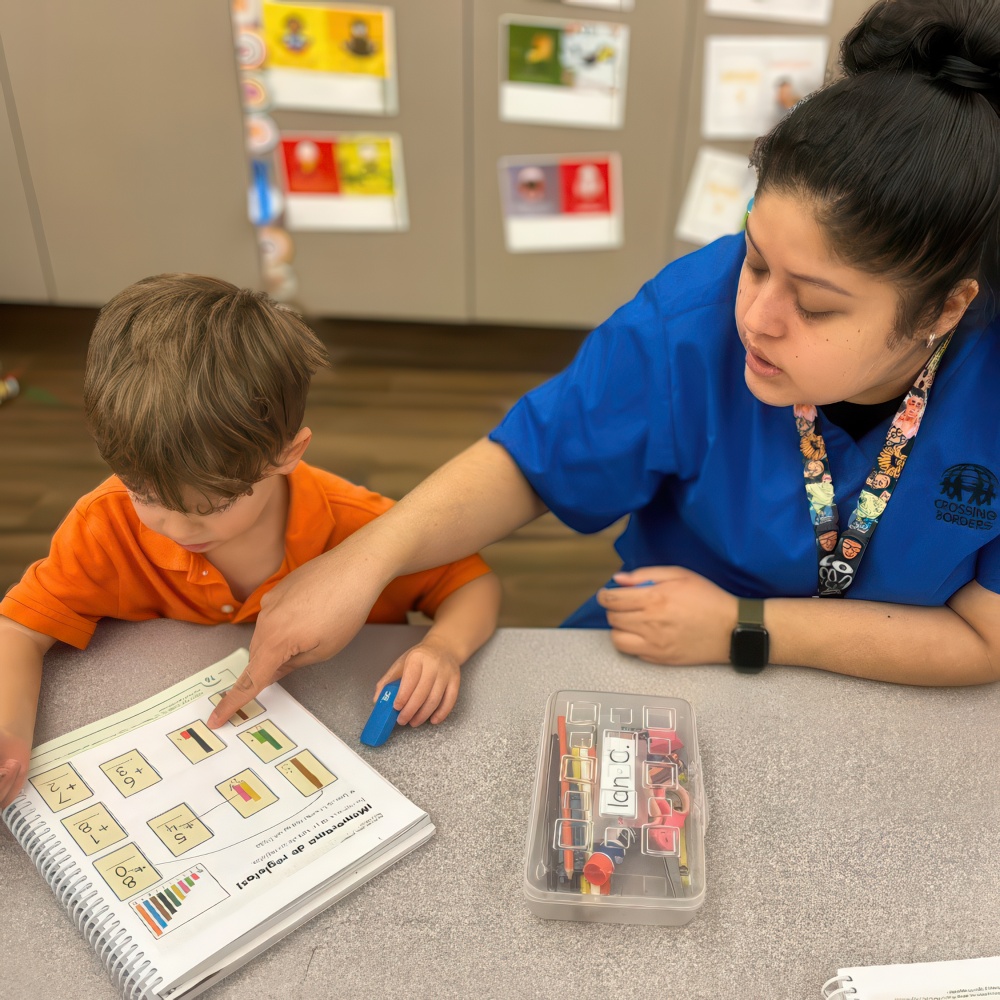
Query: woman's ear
x,y
954,307
292,453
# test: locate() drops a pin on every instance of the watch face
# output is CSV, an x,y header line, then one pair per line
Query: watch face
x,y
749,648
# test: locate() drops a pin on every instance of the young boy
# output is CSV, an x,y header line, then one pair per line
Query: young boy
x,y
195,392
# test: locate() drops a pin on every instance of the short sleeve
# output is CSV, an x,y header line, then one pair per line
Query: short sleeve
x,y
353,507
65,594
596,441
426,590
988,566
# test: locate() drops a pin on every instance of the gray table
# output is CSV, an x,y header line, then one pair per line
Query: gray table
x,y
852,822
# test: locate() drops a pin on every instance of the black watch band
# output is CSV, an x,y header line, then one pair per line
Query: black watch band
x,y
749,646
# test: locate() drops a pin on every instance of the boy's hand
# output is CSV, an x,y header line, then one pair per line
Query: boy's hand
x,y
431,674
15,751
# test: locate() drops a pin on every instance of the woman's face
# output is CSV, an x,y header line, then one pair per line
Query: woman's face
x,y
816,330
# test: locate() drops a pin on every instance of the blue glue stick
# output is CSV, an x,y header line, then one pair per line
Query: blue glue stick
x,y
382,721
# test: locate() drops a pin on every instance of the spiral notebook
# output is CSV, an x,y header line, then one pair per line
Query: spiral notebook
x,y
181,852
965,979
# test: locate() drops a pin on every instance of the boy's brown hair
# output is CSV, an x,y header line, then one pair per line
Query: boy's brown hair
x,y
193,382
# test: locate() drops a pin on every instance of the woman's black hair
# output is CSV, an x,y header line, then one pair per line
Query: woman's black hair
x,y
901,156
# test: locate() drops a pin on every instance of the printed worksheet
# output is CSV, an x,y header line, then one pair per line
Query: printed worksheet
x,y
751,83
568,73
343,181
553,203
194,839
320,57
791,11
715,203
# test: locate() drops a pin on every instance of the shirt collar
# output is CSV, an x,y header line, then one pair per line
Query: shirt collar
x,y
310,519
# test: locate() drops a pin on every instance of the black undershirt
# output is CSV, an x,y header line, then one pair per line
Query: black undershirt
x,y
857,418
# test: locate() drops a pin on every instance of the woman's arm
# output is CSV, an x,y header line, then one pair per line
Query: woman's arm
x,y
955,644
476,498
684,618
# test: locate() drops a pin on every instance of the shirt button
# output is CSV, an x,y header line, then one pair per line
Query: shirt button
x,y
227,609
204,572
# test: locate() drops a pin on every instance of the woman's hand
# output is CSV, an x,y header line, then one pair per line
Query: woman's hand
x,y
309,616
678,618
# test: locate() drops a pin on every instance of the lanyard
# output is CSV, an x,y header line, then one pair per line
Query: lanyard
x,y
840,553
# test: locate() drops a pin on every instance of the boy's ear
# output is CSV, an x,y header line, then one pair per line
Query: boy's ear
x,y
293,452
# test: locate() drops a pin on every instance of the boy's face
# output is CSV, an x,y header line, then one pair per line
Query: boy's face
x,y
225,522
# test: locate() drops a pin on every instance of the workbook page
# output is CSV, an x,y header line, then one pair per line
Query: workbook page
x,y
195,837
966,979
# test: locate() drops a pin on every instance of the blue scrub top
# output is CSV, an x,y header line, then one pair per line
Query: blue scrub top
x,y
653,419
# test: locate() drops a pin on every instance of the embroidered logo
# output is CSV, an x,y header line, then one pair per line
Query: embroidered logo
x,y
967,495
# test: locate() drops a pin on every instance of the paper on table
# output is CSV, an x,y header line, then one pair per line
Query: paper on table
x,y
967,979
263,820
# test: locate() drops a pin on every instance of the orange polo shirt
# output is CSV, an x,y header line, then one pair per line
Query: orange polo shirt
x,y
104,563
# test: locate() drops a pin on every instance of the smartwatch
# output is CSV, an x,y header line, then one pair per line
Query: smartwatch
x,y
750,644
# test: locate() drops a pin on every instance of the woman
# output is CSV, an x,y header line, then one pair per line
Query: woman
x,y
802,410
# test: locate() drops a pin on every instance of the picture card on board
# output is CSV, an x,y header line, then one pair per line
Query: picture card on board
x,y
717,196
555,203
568,73
343,181
752,82
621,5
790,11
329,57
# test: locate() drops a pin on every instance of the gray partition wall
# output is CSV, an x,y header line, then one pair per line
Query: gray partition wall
x,y
583,287
22,274
845,14
421,273
122,154
132,139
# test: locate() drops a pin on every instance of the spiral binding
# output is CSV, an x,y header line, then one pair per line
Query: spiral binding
x,y
842,989
132,972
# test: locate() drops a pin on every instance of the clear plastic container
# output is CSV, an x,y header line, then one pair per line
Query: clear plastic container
x,y
618,812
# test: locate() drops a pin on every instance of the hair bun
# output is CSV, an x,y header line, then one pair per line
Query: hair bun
x,y
957,41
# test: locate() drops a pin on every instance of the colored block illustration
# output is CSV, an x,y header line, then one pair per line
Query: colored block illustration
x,y
130,773
127,871
94,828
61,787
179,829
246,793
173,904
249,711
267,741
306,773
196,741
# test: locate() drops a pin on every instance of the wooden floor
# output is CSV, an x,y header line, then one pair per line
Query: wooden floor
x,y
399,400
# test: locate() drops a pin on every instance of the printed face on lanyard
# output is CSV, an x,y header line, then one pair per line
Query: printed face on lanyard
x,y
834,574
816,330
851,547
838,566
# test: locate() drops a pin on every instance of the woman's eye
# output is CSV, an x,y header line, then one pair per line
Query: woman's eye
x,y
806,314
755,269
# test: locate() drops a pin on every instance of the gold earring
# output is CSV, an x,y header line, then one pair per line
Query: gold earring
x,y
930,340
